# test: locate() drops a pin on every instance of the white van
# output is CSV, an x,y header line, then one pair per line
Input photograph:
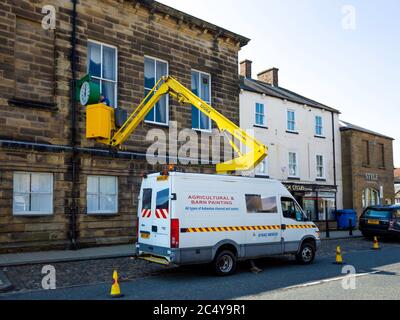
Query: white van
x,y
187,218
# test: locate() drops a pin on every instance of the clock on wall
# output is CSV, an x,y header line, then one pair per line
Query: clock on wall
x,y
88,91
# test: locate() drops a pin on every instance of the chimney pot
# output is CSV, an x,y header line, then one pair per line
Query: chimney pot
x,y
245,69
269,76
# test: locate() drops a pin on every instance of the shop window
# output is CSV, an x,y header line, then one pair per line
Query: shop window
x,y
370,197
258,204
154,69
32,193
102,195
201,87
102,66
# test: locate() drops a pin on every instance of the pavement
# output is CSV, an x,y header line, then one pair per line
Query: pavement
x,y
377,277
27,258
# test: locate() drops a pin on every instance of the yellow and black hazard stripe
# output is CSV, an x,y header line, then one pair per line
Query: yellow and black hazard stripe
x,y
242,228
300,226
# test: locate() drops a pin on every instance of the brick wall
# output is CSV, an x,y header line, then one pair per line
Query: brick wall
x,y
35,104
355,170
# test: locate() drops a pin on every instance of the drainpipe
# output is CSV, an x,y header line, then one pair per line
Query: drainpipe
x,y
334,170
75,151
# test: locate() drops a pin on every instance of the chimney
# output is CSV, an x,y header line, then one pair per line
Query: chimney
x,y
245,68
269,76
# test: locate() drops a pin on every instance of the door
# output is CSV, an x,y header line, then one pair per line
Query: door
x,y
263,221
293,224
155,216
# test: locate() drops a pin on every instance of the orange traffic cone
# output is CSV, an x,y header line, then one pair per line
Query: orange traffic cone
x,y
339,258
376,244
115,289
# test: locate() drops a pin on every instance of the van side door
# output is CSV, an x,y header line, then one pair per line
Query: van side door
x,y
263,226
294,224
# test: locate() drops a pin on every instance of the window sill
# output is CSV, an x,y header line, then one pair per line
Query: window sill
x,y
102,214
157,124
319,137
320,179
292,132
261,176
32,215
294,178
24,103
260,127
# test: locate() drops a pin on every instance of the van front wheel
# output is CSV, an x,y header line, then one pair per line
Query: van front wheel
x,y
225,263
306,254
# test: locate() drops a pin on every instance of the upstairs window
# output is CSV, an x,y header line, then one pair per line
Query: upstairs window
x,y
319,130
102,195
293,167
102,66
201,87
320,167
262,168
291,121
154,69
260,115
32,193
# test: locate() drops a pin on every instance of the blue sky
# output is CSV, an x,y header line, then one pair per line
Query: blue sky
x,y
355,70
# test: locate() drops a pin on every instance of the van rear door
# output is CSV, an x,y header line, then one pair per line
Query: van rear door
x,y
154,220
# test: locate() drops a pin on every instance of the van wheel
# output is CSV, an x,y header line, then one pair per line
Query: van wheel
x,y
225,263
306,254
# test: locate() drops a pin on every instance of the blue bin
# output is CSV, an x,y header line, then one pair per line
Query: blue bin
x,y
344,217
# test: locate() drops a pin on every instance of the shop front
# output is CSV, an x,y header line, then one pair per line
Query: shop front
x,y
317,201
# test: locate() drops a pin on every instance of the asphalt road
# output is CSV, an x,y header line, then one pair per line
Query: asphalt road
x,y
377,278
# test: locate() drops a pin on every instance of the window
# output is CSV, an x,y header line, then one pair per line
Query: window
x,y
102,194
262,168
320,167
162,204
370,197
258,204
319,130
293,167
32,193
291,210
102,66
154,69
260,115
201,87
291,120
366,157
146,203
381,155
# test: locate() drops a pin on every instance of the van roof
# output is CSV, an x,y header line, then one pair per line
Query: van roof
x,y
215,177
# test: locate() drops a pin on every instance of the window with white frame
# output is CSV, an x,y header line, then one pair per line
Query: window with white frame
x,y
201,87
293,166
154,69
32,193
260,115
320,166
291,120
262,168
102,66
319,129
102,195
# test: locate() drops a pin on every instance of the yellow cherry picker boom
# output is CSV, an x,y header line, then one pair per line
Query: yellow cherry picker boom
x,y
100,123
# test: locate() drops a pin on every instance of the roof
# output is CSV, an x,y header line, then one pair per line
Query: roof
x,y
157,7
344,126
257,86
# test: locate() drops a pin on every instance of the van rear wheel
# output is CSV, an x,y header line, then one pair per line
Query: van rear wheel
x,y
225,263
306,255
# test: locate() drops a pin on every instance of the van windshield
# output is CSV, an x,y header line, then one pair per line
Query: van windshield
x,y
385,214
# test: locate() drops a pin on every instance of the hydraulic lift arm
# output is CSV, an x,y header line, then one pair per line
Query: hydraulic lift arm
x,y
168,85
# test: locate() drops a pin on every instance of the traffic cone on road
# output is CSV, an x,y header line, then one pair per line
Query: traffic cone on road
x,y
339,258
115,289
376,244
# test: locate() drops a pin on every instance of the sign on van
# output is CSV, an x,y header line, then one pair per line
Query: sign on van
x,y
210,202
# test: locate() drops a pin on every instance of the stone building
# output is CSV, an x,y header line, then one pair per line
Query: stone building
x,y
303,138
59,190
367,166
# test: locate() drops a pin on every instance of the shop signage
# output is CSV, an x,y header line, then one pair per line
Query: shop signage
x,y
371,177
298,187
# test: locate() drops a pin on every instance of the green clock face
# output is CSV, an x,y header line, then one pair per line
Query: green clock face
x,y
85,93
